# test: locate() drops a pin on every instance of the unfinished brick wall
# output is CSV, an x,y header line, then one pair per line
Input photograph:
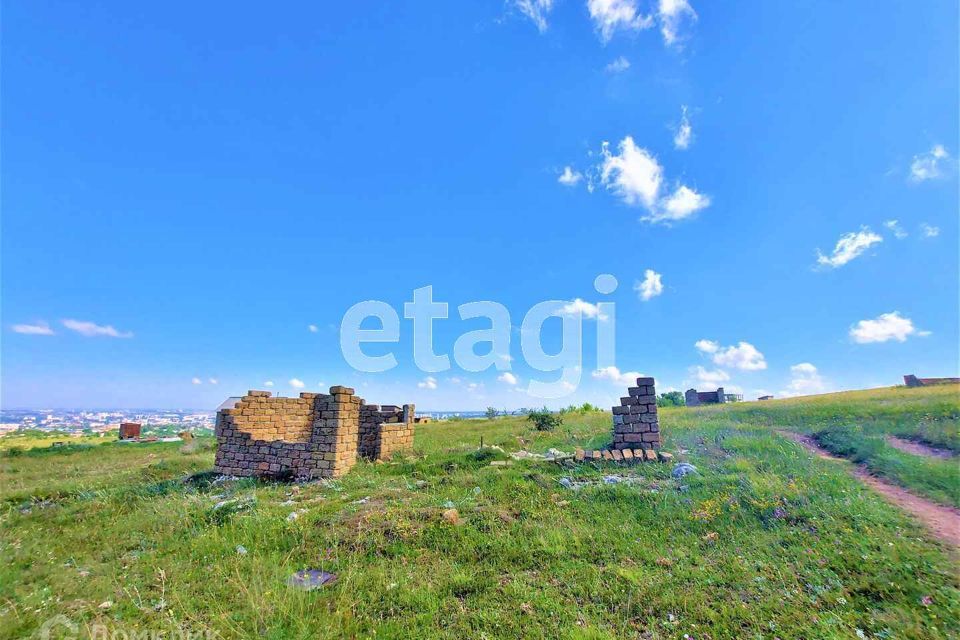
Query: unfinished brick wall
x,y
385,429
313,436
635,423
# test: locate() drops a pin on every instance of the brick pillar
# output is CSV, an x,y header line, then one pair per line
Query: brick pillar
x,y
635,423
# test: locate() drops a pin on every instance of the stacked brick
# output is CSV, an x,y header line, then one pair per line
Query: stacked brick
x,y
635,424
313,436
385,430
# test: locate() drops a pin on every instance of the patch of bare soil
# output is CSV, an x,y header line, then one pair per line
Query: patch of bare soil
x,y
918,448
942,521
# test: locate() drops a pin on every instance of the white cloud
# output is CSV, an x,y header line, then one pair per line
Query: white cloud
x,y
610,16
196,381
508,378
428,383
885,327
582,308
536,10
672,14
684,134
636,176
213,381
651,287
928,166
894,226
312,328
91,329
848,247
621,378
633,174
706,377
805,380
707,346
37,329
296,383
744,356
570,177
619,65
929,231
268,383
682,203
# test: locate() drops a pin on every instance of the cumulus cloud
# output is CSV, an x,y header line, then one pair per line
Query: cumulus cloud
x,y
805,380
684,133
848,247
682,203
651,286
635,175
508,378
536,10
672,15
885,327
584,309
619,65
213,381
706,377
929,231
428,383
929,165
90,329
312,328
620,378
36,329
196,381
894,227
570,177
743,356
268,383
707,346
296,383
610,16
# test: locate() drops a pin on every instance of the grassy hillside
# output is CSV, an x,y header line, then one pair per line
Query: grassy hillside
x,y
765,541
854,424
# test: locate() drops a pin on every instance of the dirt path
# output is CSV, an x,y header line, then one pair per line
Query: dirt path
x,y
942,521
919,449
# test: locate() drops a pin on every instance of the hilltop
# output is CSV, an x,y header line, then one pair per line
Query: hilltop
x,y
765,540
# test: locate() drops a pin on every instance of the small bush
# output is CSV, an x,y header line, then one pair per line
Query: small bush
x,y
544,420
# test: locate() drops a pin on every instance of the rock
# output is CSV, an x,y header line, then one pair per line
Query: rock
x,y
612,479
452,516
665,456
566,482
682,469
106,604
241,550
310,579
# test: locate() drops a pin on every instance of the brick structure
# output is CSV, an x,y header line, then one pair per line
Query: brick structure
x,y
635,424
913,381
694,398
313,436
129,431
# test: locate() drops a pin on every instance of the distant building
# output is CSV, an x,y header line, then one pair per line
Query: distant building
x,y
913,381
696,398
765,398
129,430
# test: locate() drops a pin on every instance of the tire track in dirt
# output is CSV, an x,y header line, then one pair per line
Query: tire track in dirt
x,y
942,521
919,449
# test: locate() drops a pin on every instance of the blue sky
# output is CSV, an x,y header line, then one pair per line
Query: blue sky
x,y
187,189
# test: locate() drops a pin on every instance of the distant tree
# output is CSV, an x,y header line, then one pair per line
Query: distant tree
x,y
671,399
586,407
543,420
492,413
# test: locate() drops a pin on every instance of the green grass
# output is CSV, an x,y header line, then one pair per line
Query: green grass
x,y
766,541
854,424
